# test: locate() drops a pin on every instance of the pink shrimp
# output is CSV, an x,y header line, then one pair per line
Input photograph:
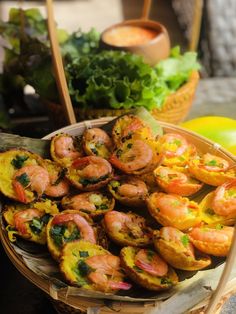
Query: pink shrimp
x,y
132,156
82,202
57,187
214,163
64,147
171,175
97,142
87,232
173,145
106,273
91,167
224,201
176,181
212,235
58,190
174,235
34,177
121,222
150,262
24,216
132,187
127,228
135,125
172,205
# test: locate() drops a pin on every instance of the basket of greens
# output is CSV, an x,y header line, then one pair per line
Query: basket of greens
x,y
101,82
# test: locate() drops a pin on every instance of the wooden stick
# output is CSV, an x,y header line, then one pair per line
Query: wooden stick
x,y
230,263
146,9
196,25
58,66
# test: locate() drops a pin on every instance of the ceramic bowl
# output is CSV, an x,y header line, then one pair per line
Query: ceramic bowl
x,y
153,50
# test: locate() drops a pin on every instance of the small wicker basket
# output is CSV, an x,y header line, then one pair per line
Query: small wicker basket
x,y
175,108
178,104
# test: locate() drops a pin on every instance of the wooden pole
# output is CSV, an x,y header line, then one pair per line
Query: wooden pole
x,y
146,9
58,65
196,25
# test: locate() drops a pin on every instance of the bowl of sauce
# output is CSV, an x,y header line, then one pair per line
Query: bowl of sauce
x,y
147,38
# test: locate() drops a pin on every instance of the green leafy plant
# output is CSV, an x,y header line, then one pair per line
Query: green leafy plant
x,y
27,56
96,78
115,79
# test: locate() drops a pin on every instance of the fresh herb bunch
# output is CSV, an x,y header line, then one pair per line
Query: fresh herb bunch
x,y
116,79
96,78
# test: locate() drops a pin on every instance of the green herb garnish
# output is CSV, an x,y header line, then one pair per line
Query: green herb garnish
x,y
83,254
231,193
102,207
175,203
114,184
166,281
61,235
23,179
19,161
37,224
94,150
45,218
81,281
86,182
129,145
185,240
177,142
150,255
61,176
75,234
212,162
84,268
210,212
219,227
119,153
137,269
56,233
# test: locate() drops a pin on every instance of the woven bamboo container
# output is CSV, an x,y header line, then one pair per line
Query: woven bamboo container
x,y
174,110
67,302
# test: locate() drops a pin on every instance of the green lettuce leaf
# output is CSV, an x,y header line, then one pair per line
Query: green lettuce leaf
x,y
175,70
114,79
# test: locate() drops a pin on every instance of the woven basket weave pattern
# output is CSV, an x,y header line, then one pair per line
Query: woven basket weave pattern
x,y
63,308
177,105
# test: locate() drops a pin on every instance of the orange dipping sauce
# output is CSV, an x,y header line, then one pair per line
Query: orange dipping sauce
x,y
128,35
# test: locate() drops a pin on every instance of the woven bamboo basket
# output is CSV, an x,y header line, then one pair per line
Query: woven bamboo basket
x,y
175,108
66,302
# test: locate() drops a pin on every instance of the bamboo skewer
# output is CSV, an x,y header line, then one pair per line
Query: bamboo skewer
x,y
146,9
58,66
